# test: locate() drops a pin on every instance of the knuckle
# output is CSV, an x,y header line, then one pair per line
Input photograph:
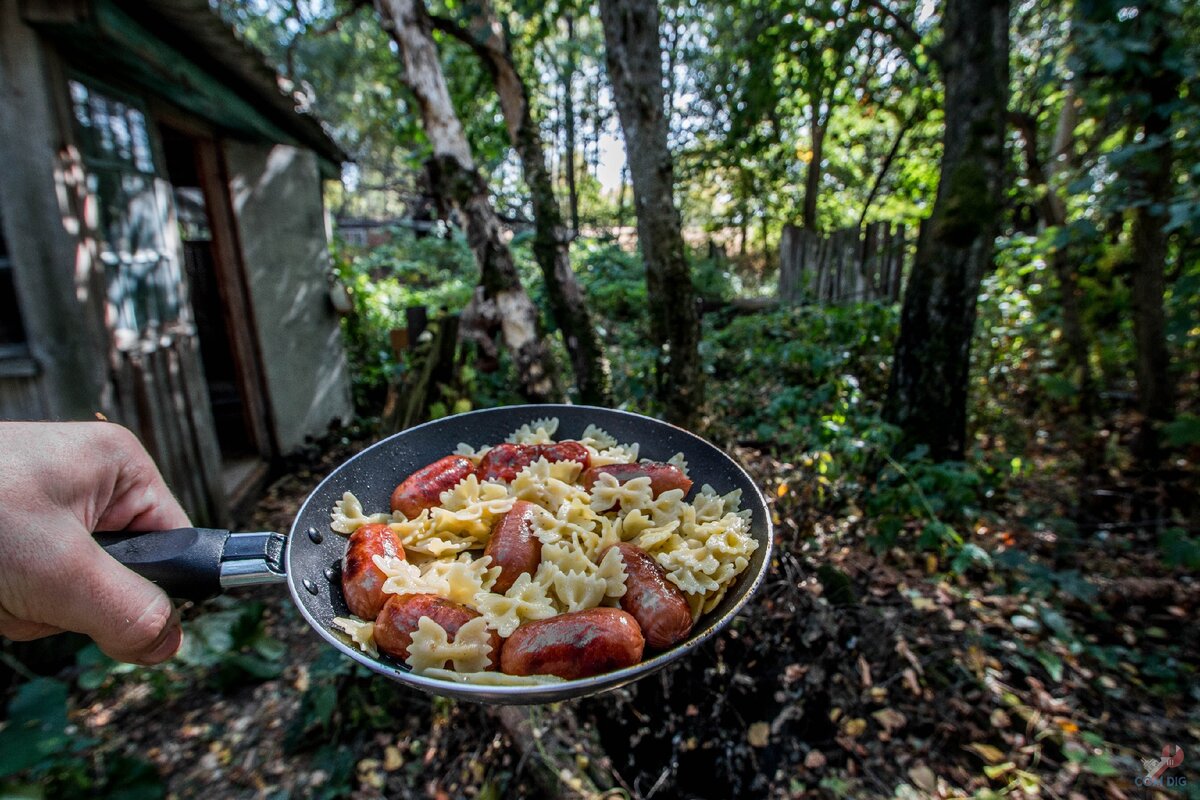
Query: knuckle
x,y
145,630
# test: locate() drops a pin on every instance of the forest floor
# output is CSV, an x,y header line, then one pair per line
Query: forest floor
x,y
849,675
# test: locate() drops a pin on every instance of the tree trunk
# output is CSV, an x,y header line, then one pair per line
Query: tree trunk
x,y
634,62
569,123
927,394
1063,261
550,242
460,181
812,179
1156,402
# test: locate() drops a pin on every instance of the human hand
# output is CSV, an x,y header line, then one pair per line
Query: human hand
x,y
59,482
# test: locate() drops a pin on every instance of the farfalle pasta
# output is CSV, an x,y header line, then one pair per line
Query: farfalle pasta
x,y
534,560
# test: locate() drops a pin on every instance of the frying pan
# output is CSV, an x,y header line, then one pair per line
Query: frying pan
x,y
195,564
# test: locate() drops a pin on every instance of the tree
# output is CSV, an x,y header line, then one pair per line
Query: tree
x,y
459,180
927,393
1138,55
634,61
550,243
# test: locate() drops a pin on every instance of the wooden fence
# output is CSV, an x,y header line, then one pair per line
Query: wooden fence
x,y
842,266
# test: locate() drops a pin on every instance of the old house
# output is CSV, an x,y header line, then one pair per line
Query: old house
x,y
163,244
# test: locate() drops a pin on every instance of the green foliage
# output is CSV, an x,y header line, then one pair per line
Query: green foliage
x,y
43,756
383,282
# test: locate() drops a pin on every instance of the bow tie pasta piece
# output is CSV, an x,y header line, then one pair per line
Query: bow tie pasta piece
x,y
575,522
680,462
403,577
467,451
525,600
660,538
548,484
604,448
578,582
539,431
711,506
431,648
668,506
607,492
421,535
361,633
469,509
461,580
348,516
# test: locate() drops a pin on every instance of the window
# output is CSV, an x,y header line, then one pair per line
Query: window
x,y
138,247
12,329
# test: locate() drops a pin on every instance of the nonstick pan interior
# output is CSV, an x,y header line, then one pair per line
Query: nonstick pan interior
x,y
314,551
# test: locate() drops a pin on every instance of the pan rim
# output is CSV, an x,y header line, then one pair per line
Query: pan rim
x,y
548,692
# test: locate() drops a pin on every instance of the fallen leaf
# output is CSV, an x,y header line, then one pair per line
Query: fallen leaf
x,y
890,719
392,760
782,490
996,771
854,727
759,734
815,759
924,778
864,672
987,752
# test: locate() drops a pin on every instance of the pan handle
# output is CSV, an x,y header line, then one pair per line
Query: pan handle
x,y
198,563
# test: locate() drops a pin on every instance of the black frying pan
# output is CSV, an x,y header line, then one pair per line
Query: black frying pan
x,y
195,563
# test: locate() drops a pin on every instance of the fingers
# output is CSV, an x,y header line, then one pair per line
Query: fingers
x,y
129,618
140,498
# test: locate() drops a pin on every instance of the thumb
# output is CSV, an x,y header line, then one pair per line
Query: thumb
x,y
129,617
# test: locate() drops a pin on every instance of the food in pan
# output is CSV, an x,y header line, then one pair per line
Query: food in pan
x,y
537,560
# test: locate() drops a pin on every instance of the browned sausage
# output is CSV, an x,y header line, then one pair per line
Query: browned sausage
x,y
662,476
658,605
513,546
398,621
504,461
424,487
566,451
575,645
362,581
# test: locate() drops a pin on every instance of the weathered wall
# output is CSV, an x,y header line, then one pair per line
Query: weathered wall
x,y
60,293
276,194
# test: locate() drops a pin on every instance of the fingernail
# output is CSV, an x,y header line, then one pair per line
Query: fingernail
x,y
168,645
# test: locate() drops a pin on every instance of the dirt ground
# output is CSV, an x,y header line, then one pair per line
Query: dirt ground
x,y
849,675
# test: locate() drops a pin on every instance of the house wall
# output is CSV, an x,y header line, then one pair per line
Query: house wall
x,y
276,193
58,285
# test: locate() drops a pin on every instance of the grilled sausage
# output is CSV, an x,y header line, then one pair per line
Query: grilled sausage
x,y
659,606
362,581
504,461
575,645
662,476
566,451
398,620
513,545
424,487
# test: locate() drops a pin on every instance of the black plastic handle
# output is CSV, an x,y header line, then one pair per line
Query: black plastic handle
x,y
185,562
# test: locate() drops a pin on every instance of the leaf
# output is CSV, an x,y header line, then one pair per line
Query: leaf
x,y
987,752
1184,431
995,771
854,727
1052,663
890,719
924,778
759,734
1100,765
36,727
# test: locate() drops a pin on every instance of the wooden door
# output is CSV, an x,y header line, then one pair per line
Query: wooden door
x,y
158,383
